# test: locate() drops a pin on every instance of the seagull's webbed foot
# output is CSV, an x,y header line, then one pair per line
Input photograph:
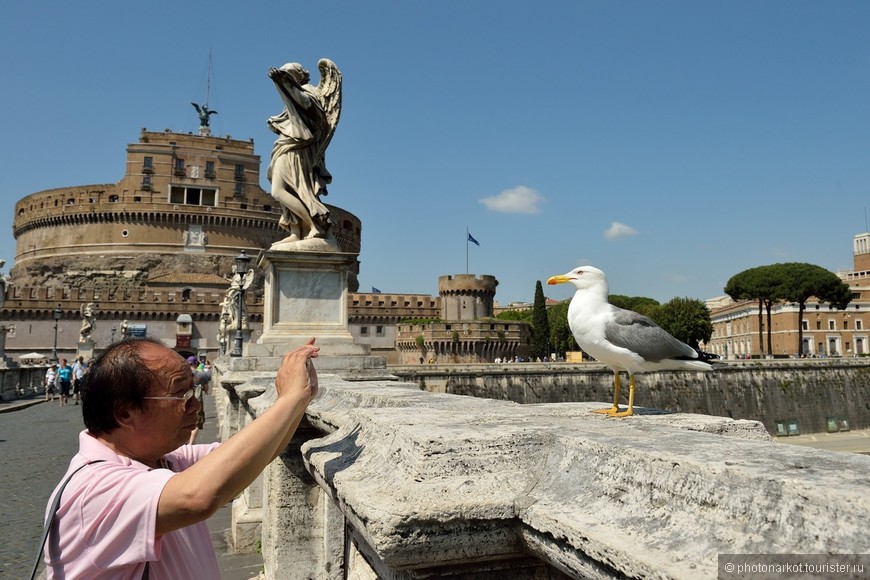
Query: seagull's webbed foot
x,y
630,410
614,410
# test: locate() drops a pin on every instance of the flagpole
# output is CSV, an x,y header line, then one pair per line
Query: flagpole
x,y
466,249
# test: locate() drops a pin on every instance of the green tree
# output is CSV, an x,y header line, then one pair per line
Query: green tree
x,y
803,281
540,340
762,283
561,338
686,319
639,304
523,315
793,282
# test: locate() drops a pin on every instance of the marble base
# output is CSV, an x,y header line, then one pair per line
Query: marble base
x,y
85,349
306,295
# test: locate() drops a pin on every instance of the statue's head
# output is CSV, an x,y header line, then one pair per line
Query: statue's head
x,y
299,74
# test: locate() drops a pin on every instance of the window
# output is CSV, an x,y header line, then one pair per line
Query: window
x,y
240,172
179,167
818,324
192,196
363,330
113,198
379,330
147,165
845,325
832,325
146,182
209,168
805,325
859,325
239,189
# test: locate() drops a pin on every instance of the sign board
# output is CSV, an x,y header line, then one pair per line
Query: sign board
x,y
137,330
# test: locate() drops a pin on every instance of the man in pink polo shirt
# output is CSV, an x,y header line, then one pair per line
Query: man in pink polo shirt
x,y
143,495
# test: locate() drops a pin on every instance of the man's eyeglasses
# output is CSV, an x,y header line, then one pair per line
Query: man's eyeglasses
x,y
187,398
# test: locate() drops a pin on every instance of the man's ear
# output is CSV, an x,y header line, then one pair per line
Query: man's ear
x,y
126,414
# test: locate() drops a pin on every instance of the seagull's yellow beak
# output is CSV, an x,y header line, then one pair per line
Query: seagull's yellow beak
x,y
560,279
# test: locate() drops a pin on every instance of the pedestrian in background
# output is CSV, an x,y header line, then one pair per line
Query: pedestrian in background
x,y
79,369
64,381
51,382
201,378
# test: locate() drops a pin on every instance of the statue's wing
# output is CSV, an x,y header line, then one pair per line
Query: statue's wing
x,y
329,91
195,106
249,278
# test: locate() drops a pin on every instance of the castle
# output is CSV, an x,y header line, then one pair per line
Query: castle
x,y
152,252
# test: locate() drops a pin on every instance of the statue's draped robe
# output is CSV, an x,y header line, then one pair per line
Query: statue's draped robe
x,y
297,157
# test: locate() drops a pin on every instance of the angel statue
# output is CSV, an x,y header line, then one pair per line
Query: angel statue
x,y
88,321
231,304
204,113
305,127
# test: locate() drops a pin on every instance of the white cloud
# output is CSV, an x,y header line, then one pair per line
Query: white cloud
x,y
520,199
619,230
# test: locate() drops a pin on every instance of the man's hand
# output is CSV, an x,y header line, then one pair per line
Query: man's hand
x,y
297,376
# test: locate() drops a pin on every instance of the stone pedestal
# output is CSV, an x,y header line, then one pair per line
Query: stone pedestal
x,y
306,295
85,349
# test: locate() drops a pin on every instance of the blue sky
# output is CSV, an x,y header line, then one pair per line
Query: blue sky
x,y
670,143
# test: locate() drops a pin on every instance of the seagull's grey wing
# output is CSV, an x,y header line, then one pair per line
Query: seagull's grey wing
x,y
639,334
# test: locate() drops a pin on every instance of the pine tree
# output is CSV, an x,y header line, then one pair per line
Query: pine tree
x,y
540,345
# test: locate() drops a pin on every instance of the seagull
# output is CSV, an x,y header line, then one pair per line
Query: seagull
x,y
621,339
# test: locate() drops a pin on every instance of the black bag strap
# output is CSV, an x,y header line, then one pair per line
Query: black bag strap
x,y
55,505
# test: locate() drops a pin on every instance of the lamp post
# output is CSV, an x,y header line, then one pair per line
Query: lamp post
x,y
56,313
241,269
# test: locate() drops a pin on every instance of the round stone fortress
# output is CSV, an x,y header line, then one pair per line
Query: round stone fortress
x,y
466,331
159,242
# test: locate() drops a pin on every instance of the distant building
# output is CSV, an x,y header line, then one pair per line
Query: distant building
x,y
827,332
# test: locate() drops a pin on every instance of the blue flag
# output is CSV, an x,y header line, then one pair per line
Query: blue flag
x,y
375,290
472,240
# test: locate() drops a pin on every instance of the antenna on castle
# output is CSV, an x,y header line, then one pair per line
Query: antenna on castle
x,y
203,110
208,80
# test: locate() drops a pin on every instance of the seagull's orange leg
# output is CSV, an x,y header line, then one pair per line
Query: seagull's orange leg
x,y
615,408
630,411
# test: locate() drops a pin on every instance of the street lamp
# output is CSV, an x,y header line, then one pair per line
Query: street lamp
x,y
241,269
57,313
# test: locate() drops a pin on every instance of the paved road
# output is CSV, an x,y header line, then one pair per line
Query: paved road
x,y
848,441
36,444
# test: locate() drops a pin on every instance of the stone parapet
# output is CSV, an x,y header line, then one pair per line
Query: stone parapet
x,y
387,481
811,393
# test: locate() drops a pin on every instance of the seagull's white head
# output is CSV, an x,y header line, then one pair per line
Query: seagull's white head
x,y
583,278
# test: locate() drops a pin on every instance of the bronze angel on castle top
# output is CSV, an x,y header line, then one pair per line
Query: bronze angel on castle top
x,y
297,169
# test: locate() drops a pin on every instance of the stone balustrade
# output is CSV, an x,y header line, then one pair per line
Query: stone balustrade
x,y
384,480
